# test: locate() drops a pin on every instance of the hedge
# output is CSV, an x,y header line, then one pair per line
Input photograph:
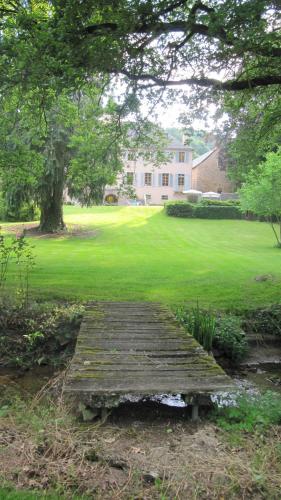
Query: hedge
x,y
179,208
202,210
216,212
220,203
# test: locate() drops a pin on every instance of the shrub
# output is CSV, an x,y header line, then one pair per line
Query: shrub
x,y
220,203
216,212
251,412
264,320
229,338
179,208
206,209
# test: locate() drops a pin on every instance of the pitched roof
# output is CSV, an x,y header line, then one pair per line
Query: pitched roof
x,y
203,157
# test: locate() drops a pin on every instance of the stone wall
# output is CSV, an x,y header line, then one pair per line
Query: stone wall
x,y
207,176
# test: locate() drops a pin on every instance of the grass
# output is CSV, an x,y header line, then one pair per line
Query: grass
x,y
139,253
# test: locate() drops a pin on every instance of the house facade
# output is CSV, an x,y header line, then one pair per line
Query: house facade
x,y
208,176
155,185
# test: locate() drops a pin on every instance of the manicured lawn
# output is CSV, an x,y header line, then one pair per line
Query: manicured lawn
x,y
138,253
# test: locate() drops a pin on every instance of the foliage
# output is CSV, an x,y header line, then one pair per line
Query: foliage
x,y
211,330
55,45
179,208
229,337
20,252
200,323
252,130
220,203
198,140
265,320
203,210
261,193
25,211
41,334
251,412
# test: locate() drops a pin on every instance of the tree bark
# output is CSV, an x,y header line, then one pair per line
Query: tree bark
x,y
51,219
51,202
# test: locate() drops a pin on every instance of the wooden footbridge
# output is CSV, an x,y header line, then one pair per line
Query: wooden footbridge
x,y
133,348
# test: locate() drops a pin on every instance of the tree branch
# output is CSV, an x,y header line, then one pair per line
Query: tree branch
x,y
232,85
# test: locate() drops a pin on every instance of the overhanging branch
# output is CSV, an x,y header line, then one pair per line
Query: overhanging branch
x,y
232,85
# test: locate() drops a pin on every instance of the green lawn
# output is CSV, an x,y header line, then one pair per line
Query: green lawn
x,y
139,253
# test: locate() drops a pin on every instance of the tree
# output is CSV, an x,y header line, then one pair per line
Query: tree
x,y
78,145
61,42
251,130
261,193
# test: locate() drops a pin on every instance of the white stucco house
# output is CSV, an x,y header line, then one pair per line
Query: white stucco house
x,y
155,185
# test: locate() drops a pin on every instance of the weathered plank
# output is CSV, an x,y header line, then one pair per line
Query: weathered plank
x,y
138,348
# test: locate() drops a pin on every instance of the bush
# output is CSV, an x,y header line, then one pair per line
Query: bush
x,y
216,212
206,209
179,208
229,338
264,320
220,203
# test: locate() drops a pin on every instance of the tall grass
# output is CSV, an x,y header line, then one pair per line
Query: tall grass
x,y
201,324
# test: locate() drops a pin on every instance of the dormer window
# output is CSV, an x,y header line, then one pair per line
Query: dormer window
x,y
181,157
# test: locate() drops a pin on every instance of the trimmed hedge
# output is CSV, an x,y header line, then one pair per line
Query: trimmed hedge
x,y
179,208
220,203
202,210
216,212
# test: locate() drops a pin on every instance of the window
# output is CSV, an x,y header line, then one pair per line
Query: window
x,y
131,156
181,156
147,179
164,197
181,180
130,178
165,179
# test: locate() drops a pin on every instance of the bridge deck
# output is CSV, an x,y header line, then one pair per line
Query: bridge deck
x,y
138,348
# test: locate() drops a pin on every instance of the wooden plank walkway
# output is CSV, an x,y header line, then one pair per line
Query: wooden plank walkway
x,y
138,348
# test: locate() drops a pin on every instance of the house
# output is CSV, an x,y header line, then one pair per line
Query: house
x,y
208,176
154,185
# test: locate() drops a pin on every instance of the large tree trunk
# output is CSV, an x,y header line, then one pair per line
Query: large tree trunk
x,y
51,202
51,219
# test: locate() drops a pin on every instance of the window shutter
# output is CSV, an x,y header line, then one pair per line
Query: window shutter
x,y
171,180
186,182
187,156
142,179
136,179
153,180
159,179
177,157
176,183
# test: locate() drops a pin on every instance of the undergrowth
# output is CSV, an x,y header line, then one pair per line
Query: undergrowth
x,y
212,330
44,333
251,413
